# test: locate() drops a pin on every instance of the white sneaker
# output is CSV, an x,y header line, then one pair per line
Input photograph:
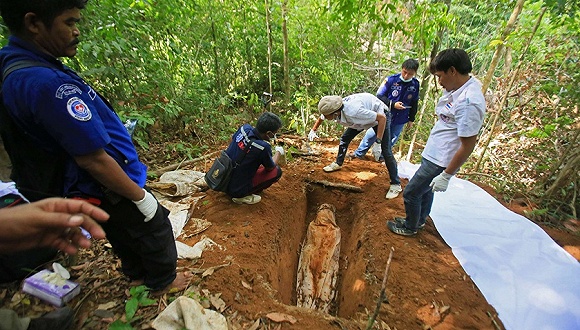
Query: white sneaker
x,y
250,199
394,191
332,167
377,151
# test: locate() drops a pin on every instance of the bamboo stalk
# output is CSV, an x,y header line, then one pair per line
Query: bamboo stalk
x,y
382,294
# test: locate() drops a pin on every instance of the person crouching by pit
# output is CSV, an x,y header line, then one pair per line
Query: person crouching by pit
x,y
255,169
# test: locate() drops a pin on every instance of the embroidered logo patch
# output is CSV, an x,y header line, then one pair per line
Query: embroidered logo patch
x,y
78,109
65,90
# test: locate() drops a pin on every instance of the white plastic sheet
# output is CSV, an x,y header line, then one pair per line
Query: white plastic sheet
x,y
530,280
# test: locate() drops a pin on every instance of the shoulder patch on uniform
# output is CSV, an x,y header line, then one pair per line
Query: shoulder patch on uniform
x,y
78,109
65,90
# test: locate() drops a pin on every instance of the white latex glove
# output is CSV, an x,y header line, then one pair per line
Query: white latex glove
x,y
148,205
280,150
440,182
312,135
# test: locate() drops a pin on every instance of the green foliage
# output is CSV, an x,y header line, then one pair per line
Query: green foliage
x,y
192,71
139,298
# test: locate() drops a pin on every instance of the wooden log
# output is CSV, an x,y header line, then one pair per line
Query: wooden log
x,y
318,265
336,185
172,167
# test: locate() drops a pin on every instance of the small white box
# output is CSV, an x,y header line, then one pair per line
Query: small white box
x,y
56,294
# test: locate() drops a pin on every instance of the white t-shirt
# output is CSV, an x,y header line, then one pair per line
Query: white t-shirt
x,y
460,114
360,111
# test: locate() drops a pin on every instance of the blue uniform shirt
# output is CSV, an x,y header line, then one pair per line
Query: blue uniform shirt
x,y
62,112
259,154
395,90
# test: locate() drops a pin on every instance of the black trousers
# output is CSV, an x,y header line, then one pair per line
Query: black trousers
x,y
146,249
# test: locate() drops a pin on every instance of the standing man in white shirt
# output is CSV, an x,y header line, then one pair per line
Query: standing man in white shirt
x,y
460,112
359,112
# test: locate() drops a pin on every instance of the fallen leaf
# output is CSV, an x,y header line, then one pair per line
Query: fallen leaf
x,y
281,317
444,309
208,272
79,267
255,325
246,285
108,305
217,302
104,314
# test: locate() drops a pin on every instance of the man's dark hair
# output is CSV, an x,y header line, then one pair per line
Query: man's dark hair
x,y
13,11
411,64
452,57
268,122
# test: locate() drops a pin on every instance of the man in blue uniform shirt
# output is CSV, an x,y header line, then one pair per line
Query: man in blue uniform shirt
x,y
400,92
51,105
255,169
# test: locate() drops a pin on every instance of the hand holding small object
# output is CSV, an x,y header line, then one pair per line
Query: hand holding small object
x,y
399,105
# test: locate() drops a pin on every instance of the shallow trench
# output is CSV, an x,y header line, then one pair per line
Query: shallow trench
x,y
350,284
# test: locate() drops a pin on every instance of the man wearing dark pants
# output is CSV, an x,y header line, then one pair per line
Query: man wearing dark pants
x,y
60,113
460,112
359,112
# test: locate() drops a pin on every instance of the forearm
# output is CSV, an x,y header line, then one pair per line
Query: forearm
x,y
317,124
107,171
462,154
382,120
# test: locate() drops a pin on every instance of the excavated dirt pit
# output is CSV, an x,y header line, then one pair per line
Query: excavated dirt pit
x,y
261,245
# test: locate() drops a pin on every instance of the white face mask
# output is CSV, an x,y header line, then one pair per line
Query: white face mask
x,y
403,80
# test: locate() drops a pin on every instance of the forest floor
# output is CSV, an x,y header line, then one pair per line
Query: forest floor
x,y
252,270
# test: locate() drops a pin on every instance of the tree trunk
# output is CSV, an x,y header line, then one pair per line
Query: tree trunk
x,y
269,33
503,103
499,49
286,56
426,85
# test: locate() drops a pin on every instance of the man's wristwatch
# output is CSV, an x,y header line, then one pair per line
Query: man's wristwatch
x,y
379,141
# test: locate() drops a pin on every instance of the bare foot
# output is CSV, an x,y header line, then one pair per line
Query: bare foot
x,y
180,283
137,282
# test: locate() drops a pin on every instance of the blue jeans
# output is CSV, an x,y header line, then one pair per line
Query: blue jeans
x,y
371,137
418,195
386,151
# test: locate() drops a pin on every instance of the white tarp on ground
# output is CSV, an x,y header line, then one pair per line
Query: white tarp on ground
x,y
530,280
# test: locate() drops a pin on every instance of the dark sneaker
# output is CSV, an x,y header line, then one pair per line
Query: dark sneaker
x,y
60,319
401,221
400,229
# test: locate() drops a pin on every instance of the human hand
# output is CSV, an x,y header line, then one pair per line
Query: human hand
x,y
51,222
440,182
312,135
399,105
280,150
147,205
